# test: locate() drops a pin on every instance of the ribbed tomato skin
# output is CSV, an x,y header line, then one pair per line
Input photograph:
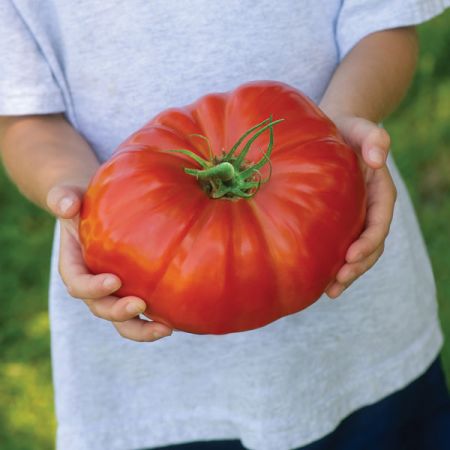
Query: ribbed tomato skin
x,y
215,266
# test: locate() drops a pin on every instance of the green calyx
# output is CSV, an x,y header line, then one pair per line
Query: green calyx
x,y
230,176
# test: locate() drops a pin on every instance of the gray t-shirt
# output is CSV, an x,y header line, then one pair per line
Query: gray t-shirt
x,y
111,65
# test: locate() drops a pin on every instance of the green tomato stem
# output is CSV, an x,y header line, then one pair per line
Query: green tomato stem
x,y
224,170
231,177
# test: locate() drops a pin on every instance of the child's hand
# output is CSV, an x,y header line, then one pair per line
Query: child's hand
x,y
373,144
96,290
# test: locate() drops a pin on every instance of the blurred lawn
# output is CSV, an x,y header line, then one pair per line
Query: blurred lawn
x,y
420,132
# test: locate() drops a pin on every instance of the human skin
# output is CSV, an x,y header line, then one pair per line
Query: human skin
x,y
51,164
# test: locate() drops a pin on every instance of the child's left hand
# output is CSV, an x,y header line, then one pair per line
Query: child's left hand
x,y
372,144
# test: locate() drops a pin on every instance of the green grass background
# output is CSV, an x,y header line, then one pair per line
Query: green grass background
x,y
420,131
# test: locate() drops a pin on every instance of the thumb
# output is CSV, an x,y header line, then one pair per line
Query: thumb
x,y
372,140
64,201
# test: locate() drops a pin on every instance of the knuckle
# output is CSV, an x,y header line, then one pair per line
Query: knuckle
x,y
394,192
354,274
366,266
378,234
64,278
385,232
376,256
350,282
95,311
385,137
388,230
71,290
379,239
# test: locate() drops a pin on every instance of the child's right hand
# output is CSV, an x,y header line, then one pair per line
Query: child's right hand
x,y
96,290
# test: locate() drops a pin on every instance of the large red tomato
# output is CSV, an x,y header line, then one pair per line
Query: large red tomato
x,y
222,236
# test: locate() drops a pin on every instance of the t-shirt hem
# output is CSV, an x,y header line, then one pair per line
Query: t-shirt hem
x,y
368,22
389,377
23,104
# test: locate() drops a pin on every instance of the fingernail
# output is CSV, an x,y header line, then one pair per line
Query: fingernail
x,y
65,204
376,156
135,308
110,283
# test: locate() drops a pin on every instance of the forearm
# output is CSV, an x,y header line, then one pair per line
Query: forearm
x,y
373,78
40,152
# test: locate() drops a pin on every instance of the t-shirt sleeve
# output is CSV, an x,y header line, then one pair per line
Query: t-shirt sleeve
x,y
359,18
27,85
